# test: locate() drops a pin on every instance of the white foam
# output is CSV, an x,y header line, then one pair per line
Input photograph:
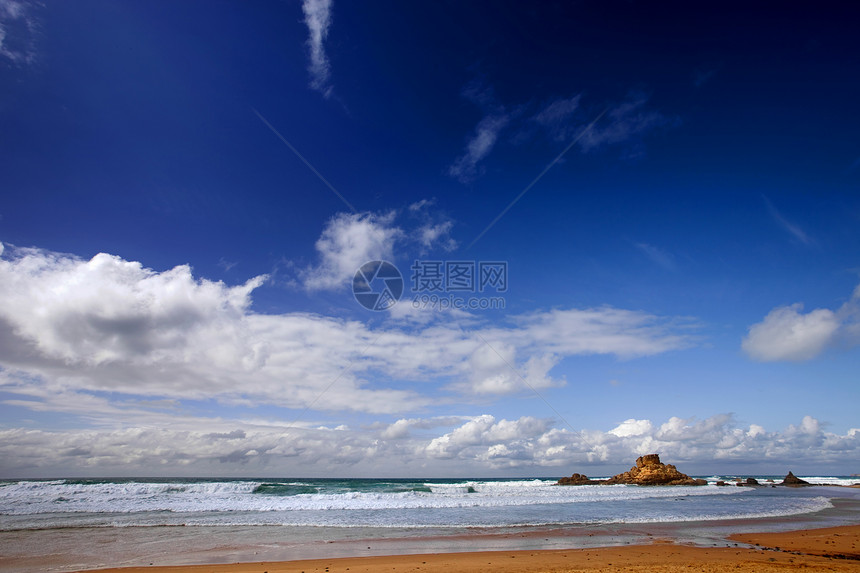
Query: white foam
x,y
60,497
456,504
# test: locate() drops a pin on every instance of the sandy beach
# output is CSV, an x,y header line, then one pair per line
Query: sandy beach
x,y
826,549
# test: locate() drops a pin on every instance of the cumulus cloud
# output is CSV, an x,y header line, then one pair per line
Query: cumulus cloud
x,y
105,324
473,445
73,328
631,427
487,438
181,451
786,333
318,19
529,442
348,241
351,239
107,309
492,371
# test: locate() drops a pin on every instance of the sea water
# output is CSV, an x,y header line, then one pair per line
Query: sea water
x,y
137,519
380,503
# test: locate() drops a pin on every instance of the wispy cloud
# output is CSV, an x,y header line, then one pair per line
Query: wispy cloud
x,y
480,143
318,20
658,256
561,119
626,122
465,168
703,76
17,32
435,228
794,230
226,265
558,117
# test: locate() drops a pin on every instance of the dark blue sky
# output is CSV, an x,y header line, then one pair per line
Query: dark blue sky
x,y
717,188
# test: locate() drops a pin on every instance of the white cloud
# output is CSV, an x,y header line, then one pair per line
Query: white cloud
x,y
402,428
107,309
435,227
351,239
69,326
465,168
528,442
493,372
348,241
631,427
476,445
604,330
318,19
430,235
484,437
788,334
73,331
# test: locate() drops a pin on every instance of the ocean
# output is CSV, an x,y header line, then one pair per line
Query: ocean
x,y
274,514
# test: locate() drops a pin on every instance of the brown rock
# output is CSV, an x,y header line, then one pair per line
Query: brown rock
x,y
578,479
650,471
792,479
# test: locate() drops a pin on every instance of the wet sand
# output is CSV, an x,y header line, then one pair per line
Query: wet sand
x,y
828,549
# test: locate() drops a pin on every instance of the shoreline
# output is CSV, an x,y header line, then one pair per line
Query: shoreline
x,y
182,548
823,549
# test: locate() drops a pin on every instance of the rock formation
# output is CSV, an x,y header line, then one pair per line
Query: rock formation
x,y
578,479
792,479
647,471
650,471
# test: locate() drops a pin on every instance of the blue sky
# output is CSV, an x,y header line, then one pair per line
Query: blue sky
x,y
187,190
